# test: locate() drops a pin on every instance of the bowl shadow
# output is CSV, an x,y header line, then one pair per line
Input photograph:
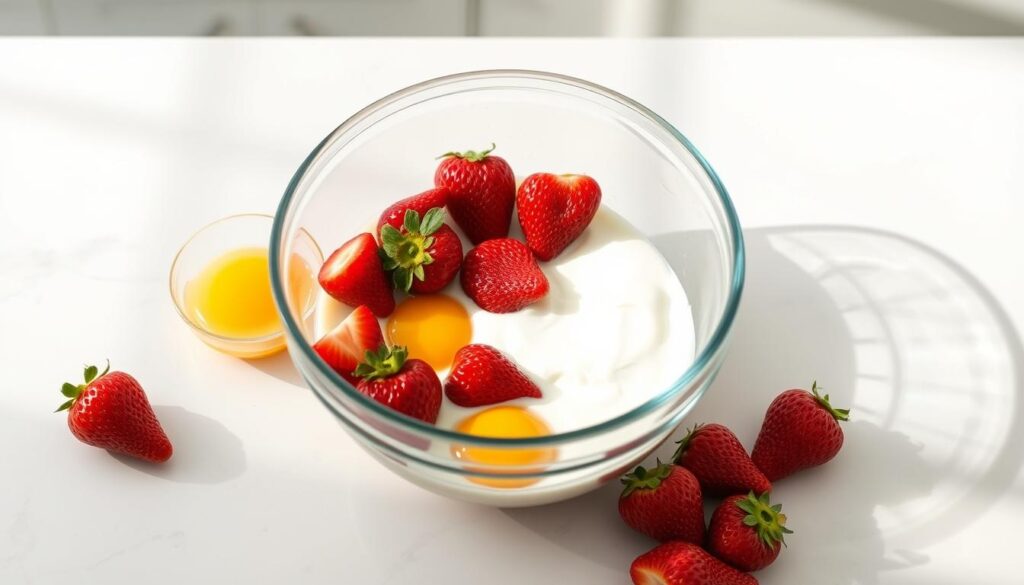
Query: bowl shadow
x,y
924,355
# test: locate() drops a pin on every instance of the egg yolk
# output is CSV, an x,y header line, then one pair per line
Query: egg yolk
x,y
231,296
507,422
432,327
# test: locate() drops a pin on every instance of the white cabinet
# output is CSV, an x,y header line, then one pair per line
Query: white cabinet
x,y
22,17
363,17
154,17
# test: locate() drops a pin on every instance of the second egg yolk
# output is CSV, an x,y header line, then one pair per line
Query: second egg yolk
x,y
506,422
432,327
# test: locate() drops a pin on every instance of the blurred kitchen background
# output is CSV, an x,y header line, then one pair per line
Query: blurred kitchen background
x,y
511,17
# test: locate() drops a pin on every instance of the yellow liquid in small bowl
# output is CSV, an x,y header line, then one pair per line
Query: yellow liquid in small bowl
x,y
231,299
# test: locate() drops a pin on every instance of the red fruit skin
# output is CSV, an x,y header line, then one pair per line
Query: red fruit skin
x,y
736,543
684,563
482,375
113,413
414,391
354,275
555,209
502,276
797,433
720,462
671,511
344,347
481,195
420,203
447,254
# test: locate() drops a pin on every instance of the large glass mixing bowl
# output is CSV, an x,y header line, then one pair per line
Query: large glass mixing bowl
x,y
650,174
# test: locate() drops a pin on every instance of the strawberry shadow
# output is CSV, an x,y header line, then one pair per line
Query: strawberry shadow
x,y
205,451
926,358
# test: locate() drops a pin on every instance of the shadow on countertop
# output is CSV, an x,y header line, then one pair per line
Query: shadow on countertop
x,y
924,355
205,451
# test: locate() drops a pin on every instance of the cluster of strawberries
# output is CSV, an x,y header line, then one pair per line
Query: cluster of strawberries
x,y
746,533
416,252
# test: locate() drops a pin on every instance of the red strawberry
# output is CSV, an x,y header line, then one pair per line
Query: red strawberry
x,y
800,430
111,411
423,257
555,209
714,454
502,276
482,375
683,563
353,274
346,345
394,215
747,531
663,503
408,386
481,192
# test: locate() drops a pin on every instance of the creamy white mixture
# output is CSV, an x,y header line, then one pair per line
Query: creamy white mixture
x,y
614,330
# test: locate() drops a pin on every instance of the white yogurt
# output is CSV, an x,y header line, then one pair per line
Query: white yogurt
x,y
615,329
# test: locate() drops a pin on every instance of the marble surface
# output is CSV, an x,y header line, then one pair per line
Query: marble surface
x,y
880,186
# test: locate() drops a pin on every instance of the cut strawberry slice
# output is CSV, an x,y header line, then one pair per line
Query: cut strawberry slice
x,y
353,274
346,346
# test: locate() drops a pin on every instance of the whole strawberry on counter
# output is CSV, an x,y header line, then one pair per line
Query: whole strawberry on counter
x,y
481,192
409,386
502,276
714,454
663,503
424,255
110,410
800,430
421,203
747,531
555,209
354,275
683,563
482,375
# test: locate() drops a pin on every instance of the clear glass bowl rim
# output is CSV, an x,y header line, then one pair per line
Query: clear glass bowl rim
x,y
700,363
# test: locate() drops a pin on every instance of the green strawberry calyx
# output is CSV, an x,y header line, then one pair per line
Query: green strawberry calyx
x,y
73,391
382,363
842,414
404,252
645,479
766,519
470,155
684,443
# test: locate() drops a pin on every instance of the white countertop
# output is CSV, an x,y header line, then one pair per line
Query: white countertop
x,y
880,183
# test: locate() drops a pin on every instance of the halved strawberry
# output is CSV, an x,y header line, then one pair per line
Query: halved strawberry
x,y
354,275
684,563
346,345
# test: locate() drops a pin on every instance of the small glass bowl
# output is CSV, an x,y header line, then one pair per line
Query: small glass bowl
x,y
247,230
650,174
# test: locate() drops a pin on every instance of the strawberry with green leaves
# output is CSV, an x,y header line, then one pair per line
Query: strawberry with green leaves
x,y
663,503
424,255
747,532
409,386
481,192
111,411
714,454
800,430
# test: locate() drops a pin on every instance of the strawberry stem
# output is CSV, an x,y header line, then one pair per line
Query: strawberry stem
x,y
841,414
404,252
382,363
645,479
73,391
684,443
766,519
470,155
